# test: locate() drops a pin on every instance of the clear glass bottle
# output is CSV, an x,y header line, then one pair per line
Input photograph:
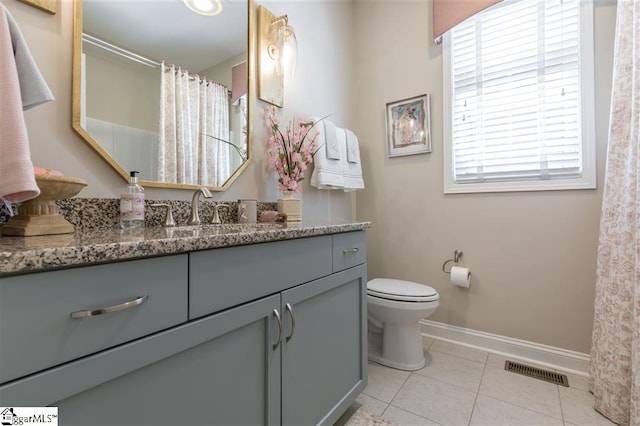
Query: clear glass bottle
x,y
132,204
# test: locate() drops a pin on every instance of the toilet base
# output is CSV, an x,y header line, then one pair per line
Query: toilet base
x,y
398,347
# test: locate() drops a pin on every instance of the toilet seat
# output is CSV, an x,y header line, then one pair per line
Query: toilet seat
x,y
398,290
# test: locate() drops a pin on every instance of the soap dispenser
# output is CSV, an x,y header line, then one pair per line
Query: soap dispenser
x,y
132,204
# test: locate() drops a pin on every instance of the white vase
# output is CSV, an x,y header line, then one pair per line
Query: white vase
x,y
290,206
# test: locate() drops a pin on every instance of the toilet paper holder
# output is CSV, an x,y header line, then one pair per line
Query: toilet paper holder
x,y
456,258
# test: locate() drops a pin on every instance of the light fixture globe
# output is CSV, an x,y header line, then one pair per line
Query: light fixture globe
x,y
205,7
283,47
289,51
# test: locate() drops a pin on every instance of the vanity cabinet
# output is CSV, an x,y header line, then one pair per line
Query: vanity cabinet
x,y
324,354
37,330
266,342
217,370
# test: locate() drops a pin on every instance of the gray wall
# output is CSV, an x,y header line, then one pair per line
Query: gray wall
x,y
322,70
532,255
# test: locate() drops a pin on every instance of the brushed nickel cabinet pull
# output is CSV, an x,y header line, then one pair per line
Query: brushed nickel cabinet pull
x,y
293,321
279,321
102,311
351,250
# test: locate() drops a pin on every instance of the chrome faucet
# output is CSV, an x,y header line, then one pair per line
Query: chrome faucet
x,y
195,218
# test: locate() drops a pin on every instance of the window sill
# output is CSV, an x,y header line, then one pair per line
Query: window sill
x,y
520,186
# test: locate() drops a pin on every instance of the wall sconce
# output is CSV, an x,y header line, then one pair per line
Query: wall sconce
x,y
278,50
205,7
283,48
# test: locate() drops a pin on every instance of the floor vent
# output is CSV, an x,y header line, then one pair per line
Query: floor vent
x,y
537,373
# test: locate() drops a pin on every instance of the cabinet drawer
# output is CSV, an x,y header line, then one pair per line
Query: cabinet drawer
x,y
349,250
45,334
222,278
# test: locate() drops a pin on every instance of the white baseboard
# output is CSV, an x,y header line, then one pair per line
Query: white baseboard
x,y
547,356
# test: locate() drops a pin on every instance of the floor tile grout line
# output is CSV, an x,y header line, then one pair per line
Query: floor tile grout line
x,y
412,412
386,406
460,357
475,400
526,407
377,399
484,366
403,383
439,381
450,384
519,405
408,411
400,387
426,348
385,411
561,408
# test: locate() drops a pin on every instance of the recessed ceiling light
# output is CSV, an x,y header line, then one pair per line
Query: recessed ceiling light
x,y
205,7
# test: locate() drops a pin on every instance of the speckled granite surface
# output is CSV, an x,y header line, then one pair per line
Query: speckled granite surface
x,y
102,213
88,246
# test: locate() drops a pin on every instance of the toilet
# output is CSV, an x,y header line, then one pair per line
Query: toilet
x,y
394,309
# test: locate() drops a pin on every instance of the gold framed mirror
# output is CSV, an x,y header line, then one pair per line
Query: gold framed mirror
x,y
165,91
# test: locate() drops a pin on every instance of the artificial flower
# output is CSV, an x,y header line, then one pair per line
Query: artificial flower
x,y
291,151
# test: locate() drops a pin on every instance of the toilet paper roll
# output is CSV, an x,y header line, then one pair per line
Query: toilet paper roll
x,y
460,276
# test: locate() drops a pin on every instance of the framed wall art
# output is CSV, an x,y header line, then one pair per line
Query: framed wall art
x,y
48,6
408,126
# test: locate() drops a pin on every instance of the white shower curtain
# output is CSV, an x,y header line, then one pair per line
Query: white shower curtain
x,y
194,129
615,351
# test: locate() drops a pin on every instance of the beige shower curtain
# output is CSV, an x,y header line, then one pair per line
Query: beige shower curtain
x,y
615,352
194,125
214,121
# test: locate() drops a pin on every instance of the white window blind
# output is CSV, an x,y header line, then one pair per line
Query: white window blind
x,y
516,93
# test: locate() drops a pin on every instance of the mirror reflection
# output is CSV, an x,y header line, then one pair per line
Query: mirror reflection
x,y
163,89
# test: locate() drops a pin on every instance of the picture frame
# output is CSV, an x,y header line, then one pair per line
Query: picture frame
x,y
48,6
409,126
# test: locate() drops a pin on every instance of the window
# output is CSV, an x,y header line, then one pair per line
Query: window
x,y
518,103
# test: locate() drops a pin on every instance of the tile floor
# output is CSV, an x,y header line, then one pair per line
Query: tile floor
x,y
465,386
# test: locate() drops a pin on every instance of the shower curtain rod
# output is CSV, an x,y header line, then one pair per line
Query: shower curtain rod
x,y
95,41
194,77
119,51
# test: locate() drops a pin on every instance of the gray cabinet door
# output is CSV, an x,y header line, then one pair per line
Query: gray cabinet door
x,y
323,356
230,376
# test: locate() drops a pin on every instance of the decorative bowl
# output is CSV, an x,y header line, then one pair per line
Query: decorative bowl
x,y
41,215
54,187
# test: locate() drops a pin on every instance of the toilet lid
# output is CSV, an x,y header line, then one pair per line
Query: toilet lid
x,y
401,290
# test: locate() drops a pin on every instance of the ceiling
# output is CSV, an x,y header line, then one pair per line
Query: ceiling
x,y
167,30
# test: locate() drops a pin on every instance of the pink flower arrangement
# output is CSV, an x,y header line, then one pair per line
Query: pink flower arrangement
x,y
290,152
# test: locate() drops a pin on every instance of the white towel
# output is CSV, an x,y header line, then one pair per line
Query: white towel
x,y
353,149
331,140
17,181
33,89
353,169
346,173
327,173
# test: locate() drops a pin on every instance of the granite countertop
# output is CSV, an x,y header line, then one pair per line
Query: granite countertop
x,y
84,247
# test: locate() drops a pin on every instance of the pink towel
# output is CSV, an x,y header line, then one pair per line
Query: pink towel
x,y
17,181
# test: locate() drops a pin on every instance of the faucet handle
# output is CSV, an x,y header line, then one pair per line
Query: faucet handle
x,y
168,219
215,220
